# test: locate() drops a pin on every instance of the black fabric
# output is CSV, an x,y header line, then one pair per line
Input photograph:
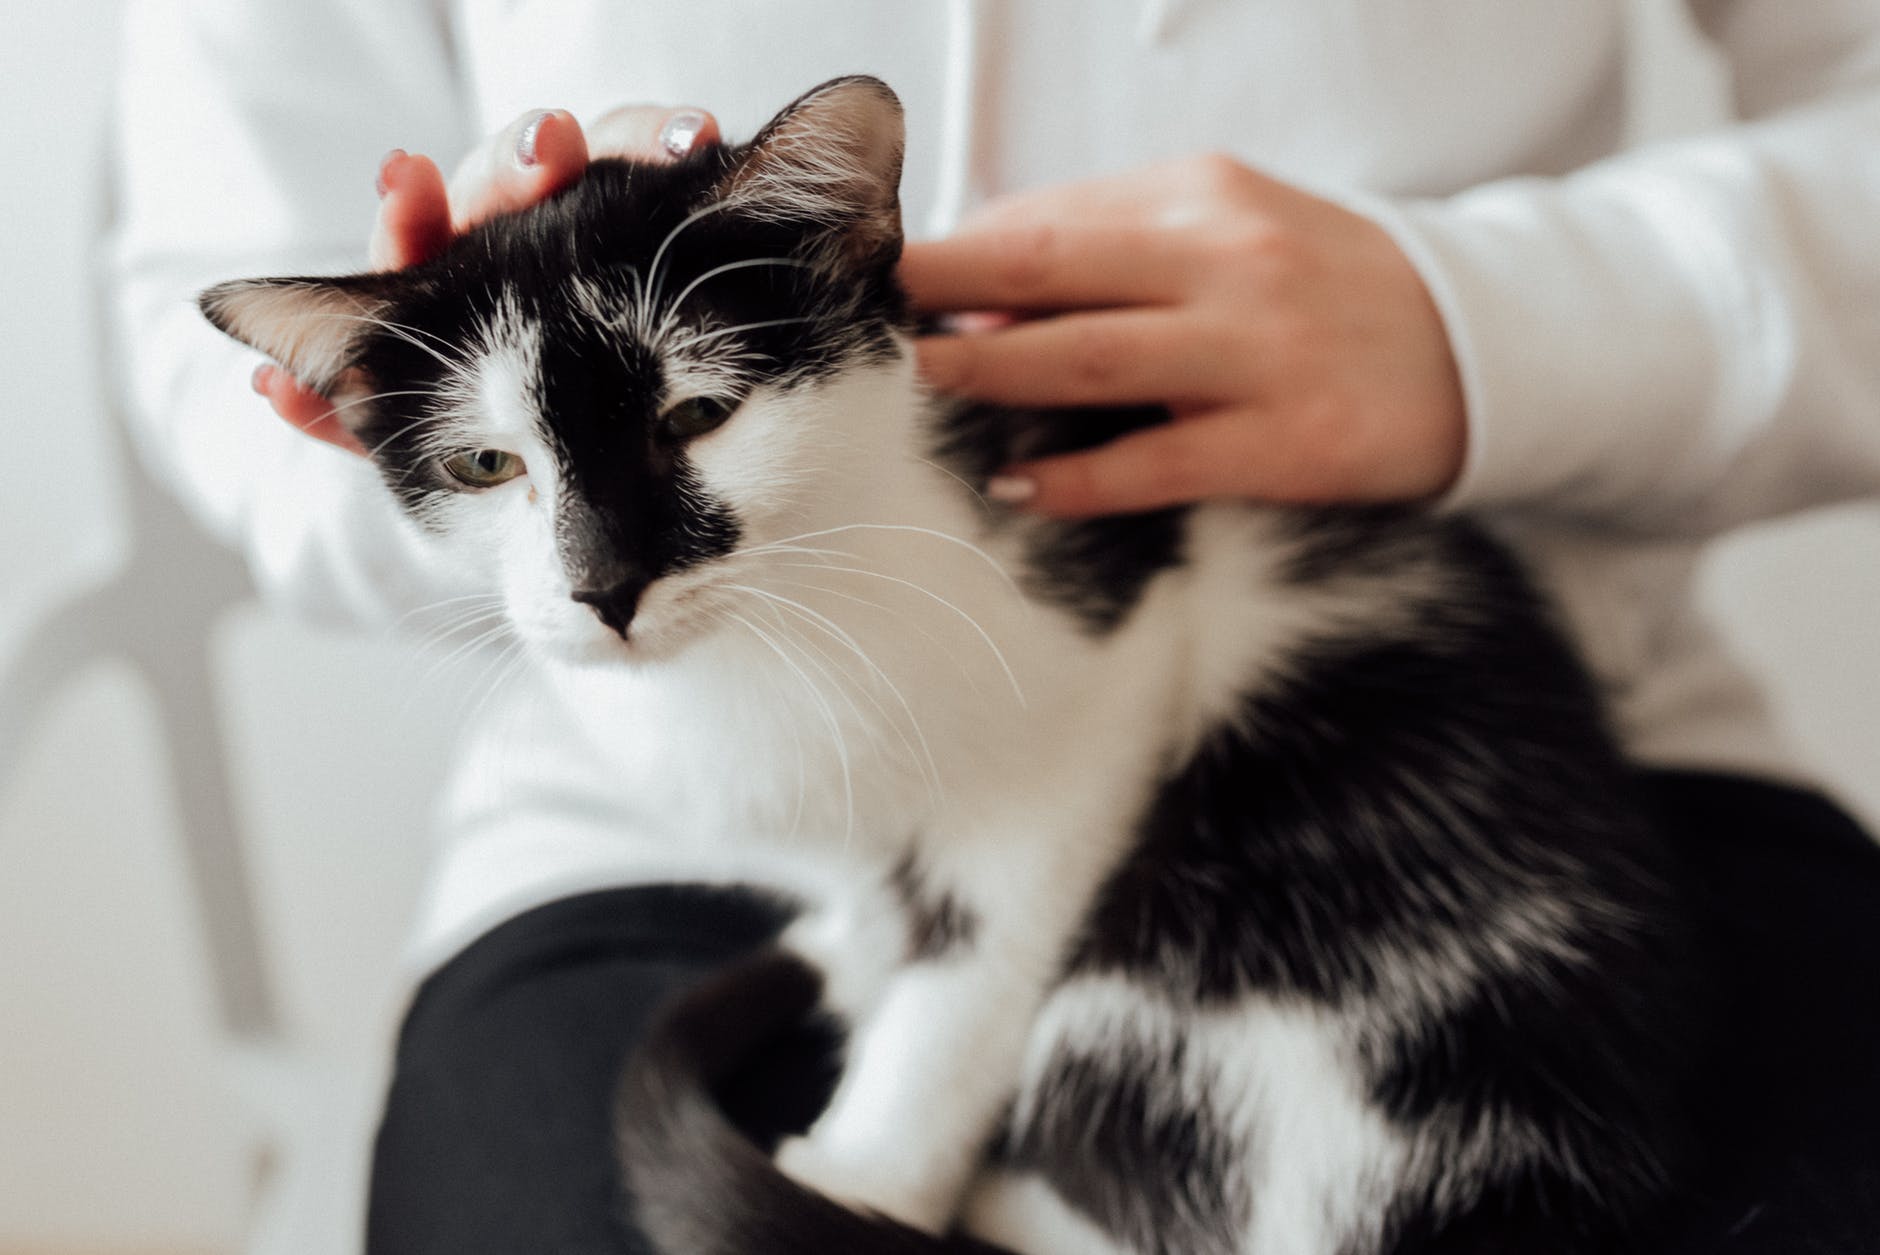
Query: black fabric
x,y
1792,889
495,1136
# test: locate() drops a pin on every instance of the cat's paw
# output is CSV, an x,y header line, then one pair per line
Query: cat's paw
x,y
855,950
866,1187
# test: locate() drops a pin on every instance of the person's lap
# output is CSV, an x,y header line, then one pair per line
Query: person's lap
x,y
496,1130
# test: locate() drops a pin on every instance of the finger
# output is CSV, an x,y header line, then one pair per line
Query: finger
x,y
1172,464
304,408
413,223
652,132
526,162
1110,357
1046,265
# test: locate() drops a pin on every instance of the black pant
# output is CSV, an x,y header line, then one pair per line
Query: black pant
x,y
495,1137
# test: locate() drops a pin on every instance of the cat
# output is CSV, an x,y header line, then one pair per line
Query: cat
x,y
1220,879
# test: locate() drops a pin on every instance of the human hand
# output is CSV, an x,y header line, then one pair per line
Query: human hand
x,y
532,158
1298,350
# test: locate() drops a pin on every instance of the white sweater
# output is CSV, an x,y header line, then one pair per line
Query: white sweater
x,y
1656,345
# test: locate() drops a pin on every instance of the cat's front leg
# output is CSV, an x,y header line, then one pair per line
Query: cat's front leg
x,y
934,1062
927,1076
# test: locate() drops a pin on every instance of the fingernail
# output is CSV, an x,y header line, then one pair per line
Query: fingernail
x,y
1011,489
971,322
681,132
525,143
259,380
385,165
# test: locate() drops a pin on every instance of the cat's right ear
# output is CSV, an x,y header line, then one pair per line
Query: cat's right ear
x,y
832,159
315,327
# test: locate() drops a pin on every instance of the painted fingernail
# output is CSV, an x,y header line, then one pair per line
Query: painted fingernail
x,y
385,165
681,132
526,154
1011,489
259,380
971,322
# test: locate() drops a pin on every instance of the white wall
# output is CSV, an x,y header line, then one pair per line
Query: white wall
x,y
114,1129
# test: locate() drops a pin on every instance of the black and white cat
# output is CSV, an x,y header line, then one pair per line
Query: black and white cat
x,y
1223,879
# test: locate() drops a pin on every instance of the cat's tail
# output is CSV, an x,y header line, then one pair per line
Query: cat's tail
x,y
699,1186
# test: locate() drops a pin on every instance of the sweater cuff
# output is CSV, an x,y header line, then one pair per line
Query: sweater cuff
x,y
1591,361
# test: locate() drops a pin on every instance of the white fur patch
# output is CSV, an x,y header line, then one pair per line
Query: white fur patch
x,y
1024,1215
1313,1161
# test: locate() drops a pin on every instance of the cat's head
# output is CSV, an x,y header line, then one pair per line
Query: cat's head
x,y
609,396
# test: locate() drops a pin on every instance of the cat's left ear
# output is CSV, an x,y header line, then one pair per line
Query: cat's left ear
x,y
313,326
831,159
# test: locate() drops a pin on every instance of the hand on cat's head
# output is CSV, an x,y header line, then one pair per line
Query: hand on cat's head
x,y
529,160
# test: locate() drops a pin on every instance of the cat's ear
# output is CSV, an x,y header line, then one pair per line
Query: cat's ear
x,y
313,326
832,159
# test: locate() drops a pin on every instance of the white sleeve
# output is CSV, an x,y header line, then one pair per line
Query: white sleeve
x,y
1687,336
248,136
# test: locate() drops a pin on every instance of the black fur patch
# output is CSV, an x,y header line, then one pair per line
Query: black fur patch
x,y
1095,569
1112,1142
937,924
1389,798
1382,791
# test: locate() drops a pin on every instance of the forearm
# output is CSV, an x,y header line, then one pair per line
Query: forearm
x,y
1681,339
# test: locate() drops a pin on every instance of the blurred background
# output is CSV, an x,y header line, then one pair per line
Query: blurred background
x,y
132,1119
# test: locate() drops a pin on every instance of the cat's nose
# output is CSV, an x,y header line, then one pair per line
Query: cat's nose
x,y
615,604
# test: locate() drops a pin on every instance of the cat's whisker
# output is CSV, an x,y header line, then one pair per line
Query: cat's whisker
x,y
379,448
381,396
678,302
930,768
425,645
453,624
437,638
839,676
1004,665
433,607
655,275
935,533
961,480
913,623
833,672
693,341
401,332
451,613
765,550
466,648
497,624
718,615
509,661
409,329
828,716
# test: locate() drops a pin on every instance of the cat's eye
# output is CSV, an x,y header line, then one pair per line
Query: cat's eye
x,y
695,416
483,468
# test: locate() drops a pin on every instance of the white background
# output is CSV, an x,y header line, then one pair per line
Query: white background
x,y
116,1132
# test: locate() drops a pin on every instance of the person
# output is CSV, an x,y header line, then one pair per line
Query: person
x,y
1407,257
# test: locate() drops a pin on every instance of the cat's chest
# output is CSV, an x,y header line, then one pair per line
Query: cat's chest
x,y
741,745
